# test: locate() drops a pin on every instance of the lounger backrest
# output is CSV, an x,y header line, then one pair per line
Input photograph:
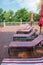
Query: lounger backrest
x,y
25,35
24,26
24,30
37,40
27,44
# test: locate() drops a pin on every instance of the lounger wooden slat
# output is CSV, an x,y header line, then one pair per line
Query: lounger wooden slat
x,y
18,60
33,43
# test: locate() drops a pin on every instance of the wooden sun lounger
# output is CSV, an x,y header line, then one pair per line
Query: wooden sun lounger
x,y
24,26
25,31
24,37
33,43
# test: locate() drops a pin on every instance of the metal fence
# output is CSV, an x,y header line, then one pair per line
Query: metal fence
x,y
3,24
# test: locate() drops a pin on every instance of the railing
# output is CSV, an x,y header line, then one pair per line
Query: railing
x,y
3,24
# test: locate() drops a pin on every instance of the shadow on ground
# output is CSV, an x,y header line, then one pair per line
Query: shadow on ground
x,y
5,39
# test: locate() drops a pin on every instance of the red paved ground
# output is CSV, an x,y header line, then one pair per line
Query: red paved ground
x,y
6,36
15,28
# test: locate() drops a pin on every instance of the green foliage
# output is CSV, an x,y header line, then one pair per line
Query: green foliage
x,y
1,11
36,17
9,16
1,14
21,15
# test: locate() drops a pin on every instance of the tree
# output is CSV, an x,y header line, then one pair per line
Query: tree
x,y
1,15
1,11
36,17
9,16
22,14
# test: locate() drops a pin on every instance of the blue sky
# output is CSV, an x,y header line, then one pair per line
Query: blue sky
x,y
18,4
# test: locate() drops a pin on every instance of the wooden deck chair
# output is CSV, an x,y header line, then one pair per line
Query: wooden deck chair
x,y
23,28
25,31
33,43
24,37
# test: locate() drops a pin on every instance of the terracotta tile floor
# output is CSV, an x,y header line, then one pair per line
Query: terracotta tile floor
x,y
6,36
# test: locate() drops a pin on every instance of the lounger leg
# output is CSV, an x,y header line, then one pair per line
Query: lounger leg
x,y
33,48
9,52
40,44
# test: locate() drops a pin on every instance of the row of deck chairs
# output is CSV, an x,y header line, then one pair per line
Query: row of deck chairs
x,y
25,35
32,43
24,28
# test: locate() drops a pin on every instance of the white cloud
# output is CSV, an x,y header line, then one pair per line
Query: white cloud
x,y
8,2
29,4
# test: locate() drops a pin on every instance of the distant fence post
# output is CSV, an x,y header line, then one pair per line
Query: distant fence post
x,y
4,24
21,22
